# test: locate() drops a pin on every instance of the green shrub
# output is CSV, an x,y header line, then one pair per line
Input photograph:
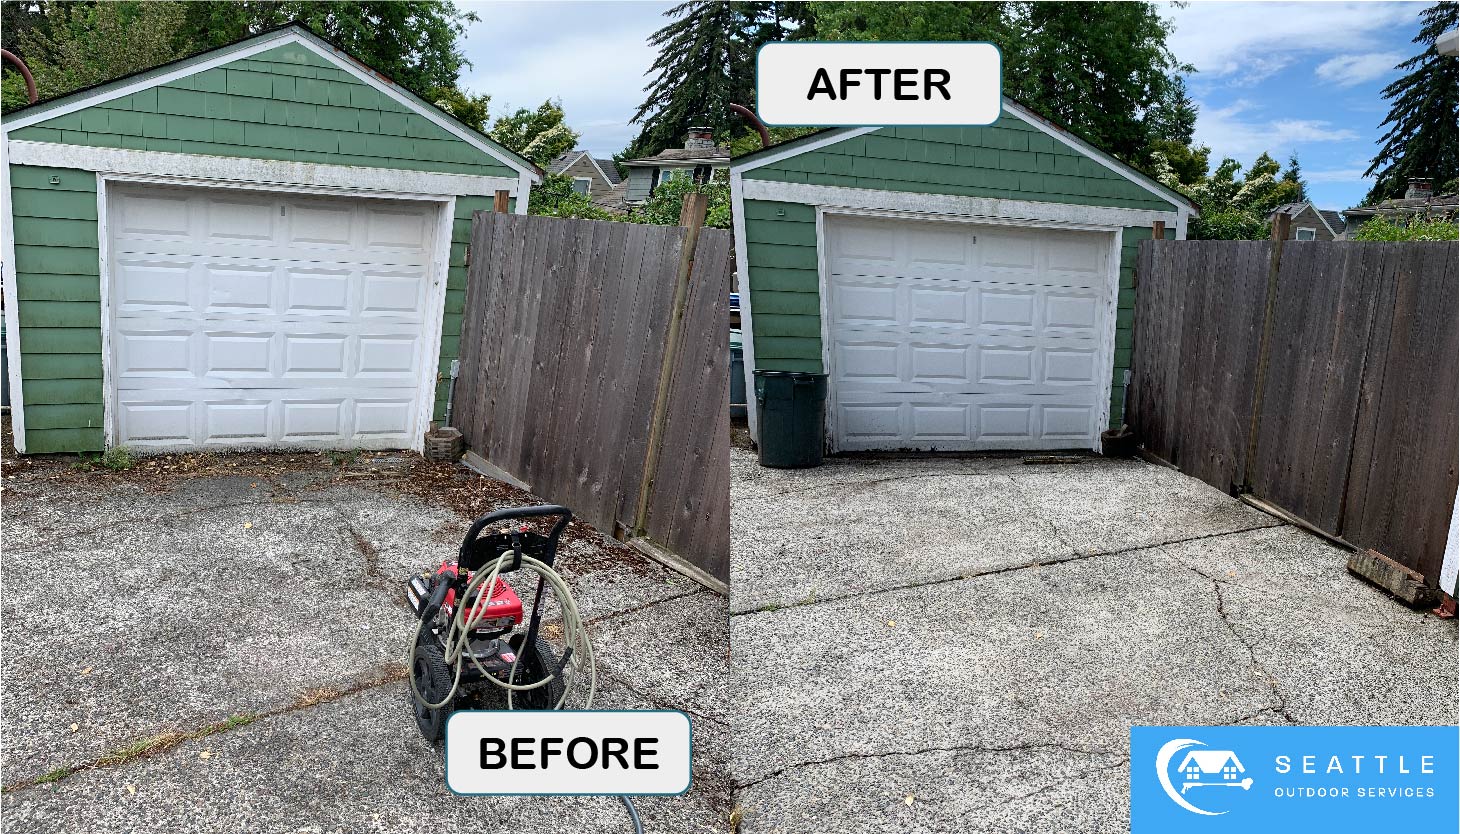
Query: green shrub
x,y
555,197
118,459
1399,228
664,206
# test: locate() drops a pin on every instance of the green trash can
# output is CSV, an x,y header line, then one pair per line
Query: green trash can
x,y
792,416
737,374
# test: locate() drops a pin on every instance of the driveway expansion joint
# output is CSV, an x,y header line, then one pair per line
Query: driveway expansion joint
x,y
861,482
1073,556
958,748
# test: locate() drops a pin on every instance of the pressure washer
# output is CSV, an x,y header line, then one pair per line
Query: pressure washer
x,y
469,647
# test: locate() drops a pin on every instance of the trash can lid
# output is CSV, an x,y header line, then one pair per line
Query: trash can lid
x,y
736,339
795,374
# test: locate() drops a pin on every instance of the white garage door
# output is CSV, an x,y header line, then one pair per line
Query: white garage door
x,y
955,336
263,320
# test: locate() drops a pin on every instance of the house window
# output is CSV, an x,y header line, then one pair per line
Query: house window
x,y
1306,234
582,185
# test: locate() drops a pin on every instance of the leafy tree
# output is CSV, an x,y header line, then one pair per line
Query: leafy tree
x,y
750,142
539,134
1101,68
1294,176
665,204
469,109
706,61
82,44
555,197
1233,208
1421,141
1417,228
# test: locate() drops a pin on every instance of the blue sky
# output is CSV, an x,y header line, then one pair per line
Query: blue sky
x,y
1283,77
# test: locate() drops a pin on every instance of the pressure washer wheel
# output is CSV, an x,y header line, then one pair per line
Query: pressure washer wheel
x,y
532,666
432,678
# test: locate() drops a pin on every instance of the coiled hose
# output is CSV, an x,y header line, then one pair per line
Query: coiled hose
x,y
466,617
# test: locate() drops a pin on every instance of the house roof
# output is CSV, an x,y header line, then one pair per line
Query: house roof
x,y
564,161
1332,220
293,32
825,136
1212,761
706,156
615,198
1438,204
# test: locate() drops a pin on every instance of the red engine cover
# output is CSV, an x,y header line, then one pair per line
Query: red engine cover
x,y
502,609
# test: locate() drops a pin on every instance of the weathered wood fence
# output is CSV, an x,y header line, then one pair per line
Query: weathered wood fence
x,y
576,381
1346,419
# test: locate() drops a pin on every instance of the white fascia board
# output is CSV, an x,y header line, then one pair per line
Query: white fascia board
x,y
952,204
11,296
747,328
227,55
524,192
830,138
596,167
346,178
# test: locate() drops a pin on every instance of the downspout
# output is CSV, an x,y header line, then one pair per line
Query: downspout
x,y
755,122
24,73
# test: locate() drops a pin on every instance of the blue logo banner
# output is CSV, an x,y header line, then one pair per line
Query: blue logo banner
x,y
1285,779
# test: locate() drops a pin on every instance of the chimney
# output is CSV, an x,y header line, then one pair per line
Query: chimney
x,y
699,138
1419,189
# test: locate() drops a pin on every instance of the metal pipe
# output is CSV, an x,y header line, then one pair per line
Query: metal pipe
x,y
24,73
755,122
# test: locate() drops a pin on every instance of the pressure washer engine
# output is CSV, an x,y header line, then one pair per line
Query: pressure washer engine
x,y
469,644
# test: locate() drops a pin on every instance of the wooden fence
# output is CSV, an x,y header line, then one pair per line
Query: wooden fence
x,y
1346,418
576,381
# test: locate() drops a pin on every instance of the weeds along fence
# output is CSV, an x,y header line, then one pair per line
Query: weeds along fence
x,y
595,372
1318,376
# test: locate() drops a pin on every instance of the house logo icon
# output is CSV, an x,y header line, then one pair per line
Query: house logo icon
x,y
1199,768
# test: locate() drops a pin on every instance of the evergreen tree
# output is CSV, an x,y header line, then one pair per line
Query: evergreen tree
x,y
1421,141
1294,177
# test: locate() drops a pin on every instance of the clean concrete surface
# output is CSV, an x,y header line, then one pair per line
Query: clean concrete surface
x,y
961,645
140,606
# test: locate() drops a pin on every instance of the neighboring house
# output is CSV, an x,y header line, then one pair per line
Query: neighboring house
x,y
699,158
1418,201
263,245
1310,223
964,288
593,177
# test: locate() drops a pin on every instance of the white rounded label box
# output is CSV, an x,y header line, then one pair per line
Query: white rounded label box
x,y
568,752
877,84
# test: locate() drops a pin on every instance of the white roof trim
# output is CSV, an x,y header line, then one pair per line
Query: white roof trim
x,y
1085,149
1308,204
227,55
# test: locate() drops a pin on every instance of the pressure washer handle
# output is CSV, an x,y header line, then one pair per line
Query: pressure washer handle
x,y
438,598
566,515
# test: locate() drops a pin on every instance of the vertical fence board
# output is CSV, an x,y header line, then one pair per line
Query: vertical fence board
x,y
564,336
1356,432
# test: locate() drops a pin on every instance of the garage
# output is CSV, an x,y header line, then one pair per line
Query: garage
x,y
953,336
264,245
257,319
961,289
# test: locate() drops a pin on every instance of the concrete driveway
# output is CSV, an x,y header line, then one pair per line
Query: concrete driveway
x,y
218,644
961,645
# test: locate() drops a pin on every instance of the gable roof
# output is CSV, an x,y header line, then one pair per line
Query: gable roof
x,y
1212,761
567,160
828,136
289,33
1332,221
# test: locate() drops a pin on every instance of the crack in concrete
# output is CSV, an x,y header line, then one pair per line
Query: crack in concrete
x,y
609,615
860,482
957,748
1280,701
152,519
1053,528
1082,775
940,579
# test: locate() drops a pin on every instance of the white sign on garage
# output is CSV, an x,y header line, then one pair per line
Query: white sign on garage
x,y
953,336
238,318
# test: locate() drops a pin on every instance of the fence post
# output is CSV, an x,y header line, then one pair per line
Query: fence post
x,y
499,202
1281,225
1158,230
692,218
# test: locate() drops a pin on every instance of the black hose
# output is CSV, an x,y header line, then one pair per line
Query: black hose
x,y
633,814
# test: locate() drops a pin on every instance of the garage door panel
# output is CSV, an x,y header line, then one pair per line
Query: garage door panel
x,y
969,337
268,320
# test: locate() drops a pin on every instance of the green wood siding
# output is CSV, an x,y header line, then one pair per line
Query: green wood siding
x,y
286,104
1007,160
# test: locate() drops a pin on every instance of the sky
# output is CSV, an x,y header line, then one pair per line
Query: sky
x,y
1302,77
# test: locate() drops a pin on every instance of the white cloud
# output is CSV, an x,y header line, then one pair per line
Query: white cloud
x,y
1345,175
1348,70
1228,132
1243,43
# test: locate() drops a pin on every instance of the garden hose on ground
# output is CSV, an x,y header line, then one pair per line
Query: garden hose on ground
x,y
458,644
